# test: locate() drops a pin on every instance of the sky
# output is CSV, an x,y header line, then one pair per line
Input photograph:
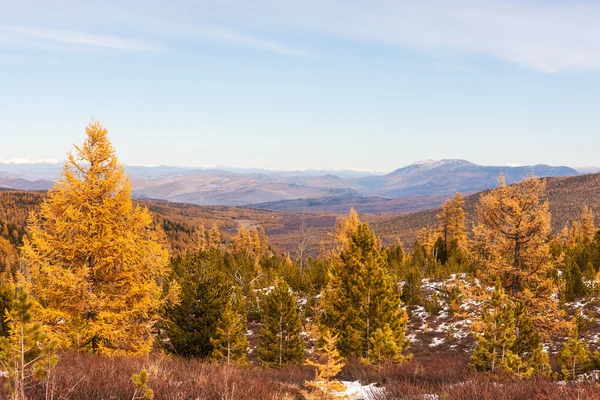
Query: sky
x,y
303,84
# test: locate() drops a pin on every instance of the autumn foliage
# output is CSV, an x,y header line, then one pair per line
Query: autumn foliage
x,y
96,261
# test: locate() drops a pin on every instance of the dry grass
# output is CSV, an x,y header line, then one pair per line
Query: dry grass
x,y
85,376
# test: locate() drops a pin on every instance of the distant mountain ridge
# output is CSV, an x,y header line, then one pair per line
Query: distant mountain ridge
x,y
421,185
445,177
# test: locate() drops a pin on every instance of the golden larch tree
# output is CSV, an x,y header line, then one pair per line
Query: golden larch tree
x,y
96,261
512,239
452,223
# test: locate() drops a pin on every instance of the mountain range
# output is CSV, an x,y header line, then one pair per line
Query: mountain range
x,y
419,186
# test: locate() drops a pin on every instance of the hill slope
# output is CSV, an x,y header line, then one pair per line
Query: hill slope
x,y
298,191
566,195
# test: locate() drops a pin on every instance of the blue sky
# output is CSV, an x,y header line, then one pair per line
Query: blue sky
x,y
325,84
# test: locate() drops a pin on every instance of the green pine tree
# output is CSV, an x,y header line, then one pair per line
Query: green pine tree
x,y
537,365
280,341
229,341
26,352
412,277
574,357
528,346
204,294
361,297
497,335
385,349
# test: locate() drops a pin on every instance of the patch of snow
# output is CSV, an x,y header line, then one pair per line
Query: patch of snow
x,y
437,341
356,391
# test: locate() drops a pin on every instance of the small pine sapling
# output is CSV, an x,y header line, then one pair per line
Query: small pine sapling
x,y
142,390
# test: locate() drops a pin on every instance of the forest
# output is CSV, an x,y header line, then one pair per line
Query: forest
x,y
493,296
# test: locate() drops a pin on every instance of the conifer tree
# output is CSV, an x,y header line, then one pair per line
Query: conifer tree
x,y
512,239
205,291
452,225
496,335
280,341
229,341
26,352
97,264
574,357
361,296
214,238
8,263
140,381
528,346
201,242
587,224
343,229
394,256
536,364
412,276
329,365
384,348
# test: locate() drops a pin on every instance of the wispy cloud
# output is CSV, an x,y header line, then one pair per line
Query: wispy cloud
x,y
235,37
200,32
80,38
547,36
543,35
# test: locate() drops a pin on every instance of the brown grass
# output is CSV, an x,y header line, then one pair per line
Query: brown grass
x,y
85,376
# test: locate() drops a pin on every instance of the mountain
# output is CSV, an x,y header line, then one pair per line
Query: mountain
x,y
234,189
415,187
588,170
24,184
446,177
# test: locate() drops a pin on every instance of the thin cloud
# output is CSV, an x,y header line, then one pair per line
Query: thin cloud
x,y
548,36
234,37
199,32
81,38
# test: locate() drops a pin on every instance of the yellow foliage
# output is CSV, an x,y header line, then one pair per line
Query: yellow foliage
x,y
512,239
326,370
96,261
452,222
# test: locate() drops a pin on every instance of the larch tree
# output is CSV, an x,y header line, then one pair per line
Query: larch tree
x,y
512,239
214,238
280,340
451,221
361,295
97,263
330,364
512,243
584,228
8,262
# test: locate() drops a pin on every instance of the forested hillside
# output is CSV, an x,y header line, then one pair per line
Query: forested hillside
x,y
567,196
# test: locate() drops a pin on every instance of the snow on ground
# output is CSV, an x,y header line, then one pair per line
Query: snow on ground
x,y
356,391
